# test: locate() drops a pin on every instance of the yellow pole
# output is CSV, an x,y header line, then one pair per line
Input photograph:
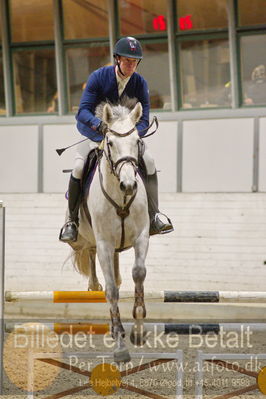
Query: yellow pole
x,y
79,297
60,328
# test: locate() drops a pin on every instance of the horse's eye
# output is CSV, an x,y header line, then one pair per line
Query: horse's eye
x,y
110,143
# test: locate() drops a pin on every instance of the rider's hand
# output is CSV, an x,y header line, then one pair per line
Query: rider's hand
x,y
102,128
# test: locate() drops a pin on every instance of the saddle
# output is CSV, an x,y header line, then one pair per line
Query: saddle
x,y
87,177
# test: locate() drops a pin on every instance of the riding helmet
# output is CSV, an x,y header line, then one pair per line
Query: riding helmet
x,y
128,47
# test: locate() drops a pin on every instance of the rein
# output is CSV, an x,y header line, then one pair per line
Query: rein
x,y
154,120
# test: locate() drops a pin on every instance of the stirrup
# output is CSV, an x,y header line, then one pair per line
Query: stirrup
x,y
159,227
69,232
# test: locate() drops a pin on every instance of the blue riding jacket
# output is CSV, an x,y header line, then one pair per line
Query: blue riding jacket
x,y
102,86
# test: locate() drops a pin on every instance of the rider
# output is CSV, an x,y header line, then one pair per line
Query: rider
x,y
112,83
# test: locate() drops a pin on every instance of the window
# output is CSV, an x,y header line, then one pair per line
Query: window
x,y
85,19
142,16
253,69
146,20
80,63
155,69
2,92
34,80
205,73
33,56
252,39
86,38
31,20
201,14
252,12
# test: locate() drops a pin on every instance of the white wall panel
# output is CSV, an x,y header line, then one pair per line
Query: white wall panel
x,y
218,155
262,155
18,159
58,136
163,146
218,243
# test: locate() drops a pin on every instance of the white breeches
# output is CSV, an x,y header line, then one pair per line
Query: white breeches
x,y
88,145
81,156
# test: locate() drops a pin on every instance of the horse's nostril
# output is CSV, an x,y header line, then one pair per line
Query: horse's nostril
x,y
122,186
135,185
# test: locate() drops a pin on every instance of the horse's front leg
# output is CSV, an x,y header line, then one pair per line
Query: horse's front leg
x,y
106,259
138,333
118,278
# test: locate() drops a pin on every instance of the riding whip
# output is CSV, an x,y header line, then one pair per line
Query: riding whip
x,y
155,120
61,150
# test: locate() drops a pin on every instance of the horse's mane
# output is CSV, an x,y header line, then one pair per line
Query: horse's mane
x,y
120,109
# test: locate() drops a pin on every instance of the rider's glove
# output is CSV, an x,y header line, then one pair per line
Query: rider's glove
x,y
102,128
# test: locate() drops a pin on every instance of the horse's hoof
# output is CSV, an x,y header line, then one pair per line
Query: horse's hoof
x,y
121,356
138,338
98,287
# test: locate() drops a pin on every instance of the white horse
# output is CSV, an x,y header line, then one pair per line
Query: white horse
x,y
118,208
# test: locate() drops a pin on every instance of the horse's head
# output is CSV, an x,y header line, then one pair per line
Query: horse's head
x,y
122,143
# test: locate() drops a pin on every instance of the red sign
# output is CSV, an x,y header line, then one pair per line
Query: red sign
x,y
159,23
185,23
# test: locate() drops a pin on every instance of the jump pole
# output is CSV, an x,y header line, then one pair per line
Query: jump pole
x,y
160,296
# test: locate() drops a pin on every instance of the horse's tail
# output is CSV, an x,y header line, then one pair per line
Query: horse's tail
x,y
83,257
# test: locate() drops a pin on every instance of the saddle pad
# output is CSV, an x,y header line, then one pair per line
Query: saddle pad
x,y
88,172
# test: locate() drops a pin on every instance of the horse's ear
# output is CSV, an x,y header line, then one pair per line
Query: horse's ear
x,y
107,113
136,113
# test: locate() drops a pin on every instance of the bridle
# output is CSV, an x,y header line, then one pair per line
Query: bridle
x,y
127,159
121,161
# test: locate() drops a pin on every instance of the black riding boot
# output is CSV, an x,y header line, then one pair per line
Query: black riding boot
x,y
69,231
157,226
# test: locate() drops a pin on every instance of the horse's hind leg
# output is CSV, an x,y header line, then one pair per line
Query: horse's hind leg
x,y
106,258
94,284
138,334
